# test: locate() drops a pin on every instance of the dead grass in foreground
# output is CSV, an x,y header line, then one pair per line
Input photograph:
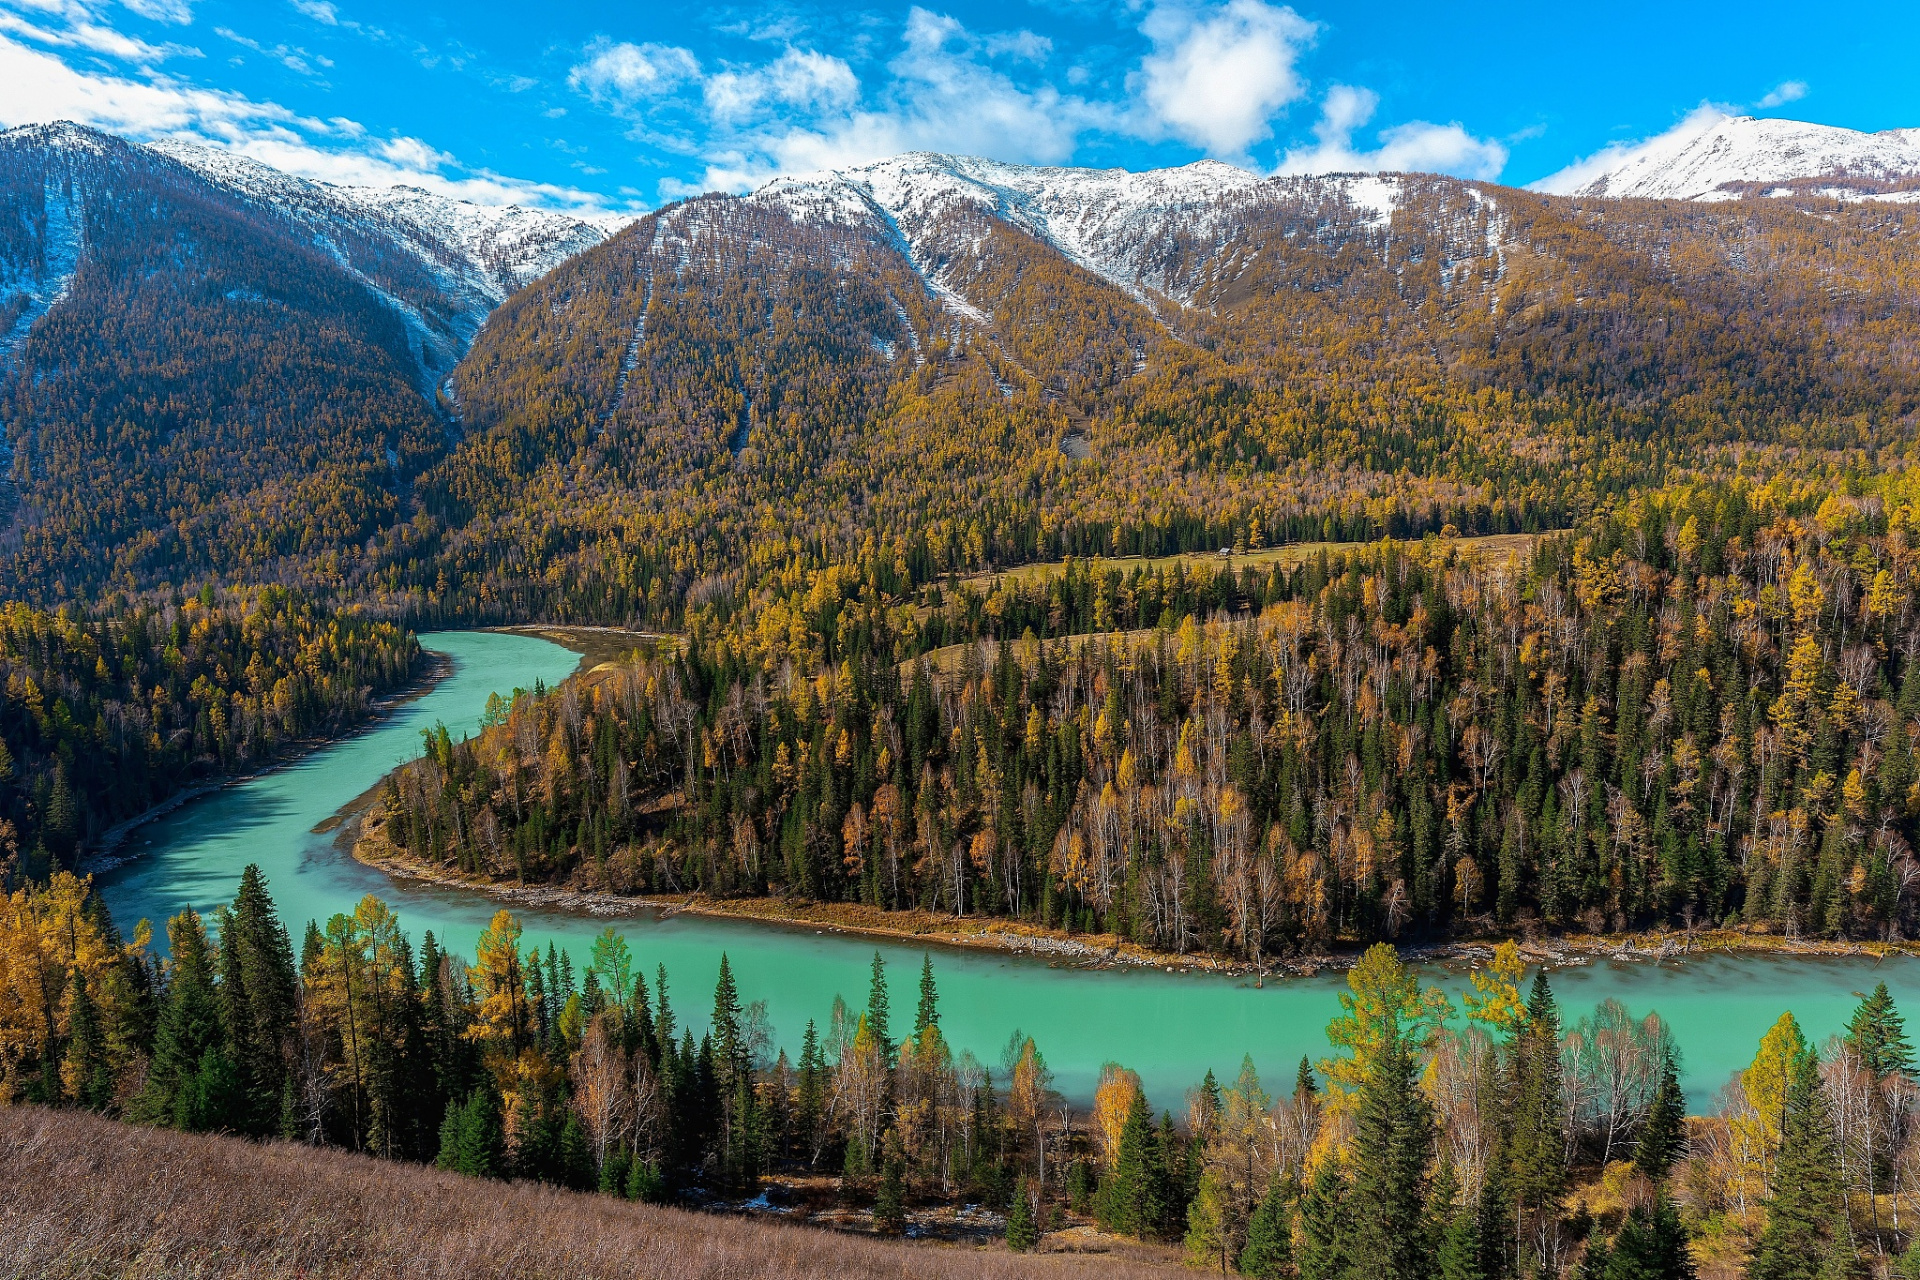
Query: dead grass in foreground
x,y
89,1197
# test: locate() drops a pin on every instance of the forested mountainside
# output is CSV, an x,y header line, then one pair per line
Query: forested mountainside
x,y
1701,711
209,369
934,363
935,367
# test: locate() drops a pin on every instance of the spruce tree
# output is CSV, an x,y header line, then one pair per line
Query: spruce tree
x,y
1268,1254
929,1012
1133,1200
1536,1164
473,1138
1022,1233
1325,1226
259,993
877,1010
810,1103
1393,1144
85,1073
1652,1245
1807,1229
889,1206
1665,1131
191,1082
1878,1034
1460,1249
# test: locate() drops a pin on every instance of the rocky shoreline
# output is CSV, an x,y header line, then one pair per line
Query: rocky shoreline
x,y
1102,951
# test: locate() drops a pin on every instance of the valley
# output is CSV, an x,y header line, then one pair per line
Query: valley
x,y
1382,709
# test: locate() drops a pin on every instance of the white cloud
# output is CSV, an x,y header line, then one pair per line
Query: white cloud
x,y
1216,78
1784,92
616,73
180,11
37,86
798,78
319,10
95,39
1584,171
806,111
1414,147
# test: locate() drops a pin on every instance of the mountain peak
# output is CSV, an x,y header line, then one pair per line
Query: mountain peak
x,y
1715,156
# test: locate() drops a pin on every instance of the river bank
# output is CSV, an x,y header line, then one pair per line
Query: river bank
x,y
110,853
370,847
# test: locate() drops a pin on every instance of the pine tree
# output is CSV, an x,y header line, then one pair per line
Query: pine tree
x,y
929,1012
1807,1227
1210,1234
1132,1202
472,1138
1325,1226
877,1010
1268,1254
1665,1132
1877,1033
1022,1233
889,1206
1536,1165
1304,1085
1393,1144
1652,1245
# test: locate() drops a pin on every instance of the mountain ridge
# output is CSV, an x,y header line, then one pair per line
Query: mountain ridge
x,y
1715,157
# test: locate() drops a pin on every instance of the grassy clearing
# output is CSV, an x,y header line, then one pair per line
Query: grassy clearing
x,y
88,1197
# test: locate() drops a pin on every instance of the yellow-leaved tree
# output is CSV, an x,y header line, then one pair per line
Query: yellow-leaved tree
x,y
1757,1125
1385,1005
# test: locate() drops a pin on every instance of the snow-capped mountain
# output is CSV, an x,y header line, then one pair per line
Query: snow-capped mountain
x,y
1113,222
1719,157
441,265
497,248
475,254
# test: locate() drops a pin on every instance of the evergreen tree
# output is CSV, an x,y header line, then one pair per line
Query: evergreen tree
x,y
191,1083
929,1011
1664,1134
1210,1227
1393,1144
85,1073
889,1206
1325,1226
1536,1163
877,1010
1652,1245
1460,1251
1022,1232
259,996
1304,1085
810,1102
1878,1034
472,1138
1268,1254
1807,1229
1133,1201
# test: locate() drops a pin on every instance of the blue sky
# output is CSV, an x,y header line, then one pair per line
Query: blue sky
x,y
615,106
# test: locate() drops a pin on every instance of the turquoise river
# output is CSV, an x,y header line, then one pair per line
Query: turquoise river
x,y
1171,1027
